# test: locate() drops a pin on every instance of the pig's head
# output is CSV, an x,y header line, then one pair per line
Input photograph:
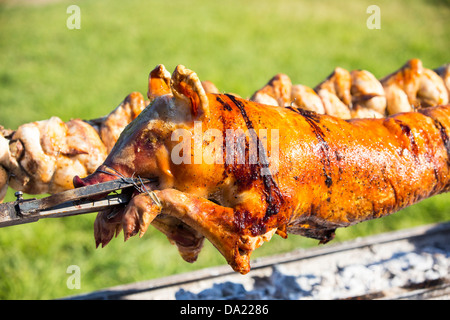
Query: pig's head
x,y
144,147
144,150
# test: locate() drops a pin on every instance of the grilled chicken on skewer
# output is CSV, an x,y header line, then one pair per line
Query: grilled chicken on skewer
x,y
358,94
44,156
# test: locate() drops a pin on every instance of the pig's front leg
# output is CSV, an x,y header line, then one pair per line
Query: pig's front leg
x,y
184,218
136,217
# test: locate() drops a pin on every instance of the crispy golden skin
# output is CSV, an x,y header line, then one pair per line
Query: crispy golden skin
x,y
314,173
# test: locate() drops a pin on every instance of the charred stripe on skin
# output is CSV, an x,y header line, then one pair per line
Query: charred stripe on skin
x,y
312,120
273,195
442,131
445,138
408,132
245,174
223,103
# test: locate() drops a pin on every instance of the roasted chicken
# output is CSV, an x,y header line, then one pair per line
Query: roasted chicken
x,y
358,94
236,172
44,156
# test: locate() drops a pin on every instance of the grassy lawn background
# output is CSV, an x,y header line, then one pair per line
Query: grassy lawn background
x,y
48,70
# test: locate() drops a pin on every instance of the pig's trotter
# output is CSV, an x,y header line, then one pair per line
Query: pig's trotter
x,y
134,218
201,217
138,215
105,228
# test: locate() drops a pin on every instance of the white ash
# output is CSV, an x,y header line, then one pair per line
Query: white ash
x,y
339,280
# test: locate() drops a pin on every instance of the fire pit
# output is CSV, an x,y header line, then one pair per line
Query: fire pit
x,y
406,264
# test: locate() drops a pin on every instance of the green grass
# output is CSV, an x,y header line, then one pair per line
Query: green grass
x,y
48,70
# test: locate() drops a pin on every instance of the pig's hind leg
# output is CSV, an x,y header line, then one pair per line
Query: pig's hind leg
x,y
185,219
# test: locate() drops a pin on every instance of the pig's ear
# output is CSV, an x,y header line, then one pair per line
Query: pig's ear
x,y
158,82
186,86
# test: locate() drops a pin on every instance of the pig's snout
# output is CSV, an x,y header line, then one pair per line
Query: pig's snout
x,y
100,175
78,182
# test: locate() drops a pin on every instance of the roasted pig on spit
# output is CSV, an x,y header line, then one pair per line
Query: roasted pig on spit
x,y
236,171
57,151
43,156
286,170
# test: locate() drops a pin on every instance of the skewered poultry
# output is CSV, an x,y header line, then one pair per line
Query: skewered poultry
x,y
358,94
444,73
44,156
244,171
